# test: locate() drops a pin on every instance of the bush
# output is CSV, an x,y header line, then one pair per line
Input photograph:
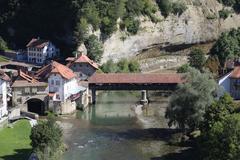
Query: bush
x,y
123,66
132,25
224,13
168,7
183,69
165,7
178,8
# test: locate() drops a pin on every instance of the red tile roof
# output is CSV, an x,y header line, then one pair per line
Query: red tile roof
x,y
38,43
27,77
137,78
81,59
25,80
236,72
4,76
57,68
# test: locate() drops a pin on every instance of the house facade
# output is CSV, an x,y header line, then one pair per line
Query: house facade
x,y
4,85
39,51
82,66
231,83
29,95
64,89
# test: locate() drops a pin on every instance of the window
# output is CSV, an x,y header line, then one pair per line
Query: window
x,y
27,90
34,90
52,82
19,100
57,82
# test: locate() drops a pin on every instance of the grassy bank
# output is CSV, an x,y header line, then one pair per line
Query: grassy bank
x,y
15,142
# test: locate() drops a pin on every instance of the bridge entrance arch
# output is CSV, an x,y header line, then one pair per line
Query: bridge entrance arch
x,y
36,105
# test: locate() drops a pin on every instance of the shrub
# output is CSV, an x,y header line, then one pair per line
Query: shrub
x,y
224,13
165,7
178,8
132,25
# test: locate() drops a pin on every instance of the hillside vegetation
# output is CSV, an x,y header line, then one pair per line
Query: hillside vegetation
x,y
70,22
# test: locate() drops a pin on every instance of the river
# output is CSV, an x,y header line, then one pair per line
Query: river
x,y
111,130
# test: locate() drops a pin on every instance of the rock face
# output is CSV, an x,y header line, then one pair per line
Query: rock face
x,y
198,24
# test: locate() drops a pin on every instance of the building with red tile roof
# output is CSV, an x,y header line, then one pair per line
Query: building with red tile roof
x,y
82,65
39,51
55,68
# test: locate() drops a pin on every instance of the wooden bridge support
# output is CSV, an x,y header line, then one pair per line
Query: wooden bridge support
x,y
144,97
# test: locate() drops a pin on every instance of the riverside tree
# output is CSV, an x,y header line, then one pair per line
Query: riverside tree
x,y
47,139
188,104
222,141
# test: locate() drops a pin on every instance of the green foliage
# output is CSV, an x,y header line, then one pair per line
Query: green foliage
x,y
167,7
213,64
3,45
183,69
227,46
197,59
222,141
46,138
94,48
81,31
132,25
218,111
178,8
123,66
66,20
188,104
224,13
90,12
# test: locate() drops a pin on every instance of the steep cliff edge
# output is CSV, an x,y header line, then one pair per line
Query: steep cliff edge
x,y
200,23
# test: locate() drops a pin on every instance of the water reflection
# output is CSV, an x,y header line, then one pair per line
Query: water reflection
x,y
111,130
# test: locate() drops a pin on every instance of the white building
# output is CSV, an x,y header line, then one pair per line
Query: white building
x,y
39,51
64,89
4,84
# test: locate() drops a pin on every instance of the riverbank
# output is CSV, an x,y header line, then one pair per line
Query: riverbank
x,y
15,141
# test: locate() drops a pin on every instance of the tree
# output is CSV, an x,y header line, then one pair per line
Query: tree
x,y
197,59
218,111
46,139
3,44
188,104
183,69
91,13
227,46
81,31
222,141
94,48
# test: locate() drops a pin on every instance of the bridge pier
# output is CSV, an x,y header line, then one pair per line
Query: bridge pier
x,y
144,99
94,96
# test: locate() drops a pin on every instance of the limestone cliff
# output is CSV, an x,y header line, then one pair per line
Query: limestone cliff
x,y
198,24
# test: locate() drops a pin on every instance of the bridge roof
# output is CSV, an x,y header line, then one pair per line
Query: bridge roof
x,y
136,78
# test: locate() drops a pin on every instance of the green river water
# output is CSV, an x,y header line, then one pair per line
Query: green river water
x,y
111,130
